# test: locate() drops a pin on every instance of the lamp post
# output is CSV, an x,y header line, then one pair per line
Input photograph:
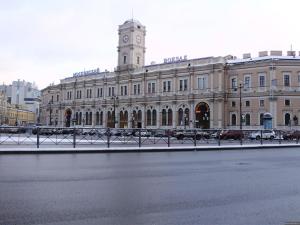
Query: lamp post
x,y
114,98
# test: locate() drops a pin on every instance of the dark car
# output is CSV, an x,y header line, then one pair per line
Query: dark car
x,y
290,135
231,134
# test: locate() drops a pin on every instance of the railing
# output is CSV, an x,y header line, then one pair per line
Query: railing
x,y
38,137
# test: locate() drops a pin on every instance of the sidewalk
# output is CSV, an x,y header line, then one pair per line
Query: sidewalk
x,y
63,150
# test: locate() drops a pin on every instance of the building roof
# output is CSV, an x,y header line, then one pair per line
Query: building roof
x,y
264,58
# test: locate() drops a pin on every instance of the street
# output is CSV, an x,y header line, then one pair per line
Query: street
x,y
249,187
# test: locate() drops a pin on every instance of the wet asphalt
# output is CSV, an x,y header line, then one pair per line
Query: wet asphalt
x,y
249,187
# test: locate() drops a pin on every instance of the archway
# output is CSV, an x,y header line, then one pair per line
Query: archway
x,y
68,116
202,115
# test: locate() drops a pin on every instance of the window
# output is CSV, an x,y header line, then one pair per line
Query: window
x,y
138,60
262,81
183,85
148,117
247,103
123,90
286,80
202,82
287,119
261,119
234,83
88,93
233,120
167,86
151,87
247,82
154,117
299,78
287,102
261,103
233,104
247,120
111,91
136,89
57,98
124,59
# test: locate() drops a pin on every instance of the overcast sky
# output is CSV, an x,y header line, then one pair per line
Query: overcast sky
x,y
47,40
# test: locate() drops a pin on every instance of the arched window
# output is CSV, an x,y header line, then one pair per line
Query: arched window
x,y
91,118
287,119
247,118
86,118
164,117
80,118
180,117
148,117
187,116
170,117
233,120
97,118
154,117
101,118
261,119
77,118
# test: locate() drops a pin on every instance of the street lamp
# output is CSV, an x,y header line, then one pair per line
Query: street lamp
x,y
114,98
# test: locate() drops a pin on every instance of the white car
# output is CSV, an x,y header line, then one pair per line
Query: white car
x,y
265,134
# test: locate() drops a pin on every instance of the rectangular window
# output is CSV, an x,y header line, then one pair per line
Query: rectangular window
x,y
247,82
261,103
57,98
101,92
287,102
180,85
185,87
286,80
122,91
109,91
135,89
124,59
169,86
153,87
262,81
299,78
139,89
203,82
164,86
125,90
232,104
234,83
149,87
247,103
113,91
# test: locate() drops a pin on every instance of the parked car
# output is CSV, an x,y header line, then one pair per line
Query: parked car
x,y
198,134
290,135
264,134
231,134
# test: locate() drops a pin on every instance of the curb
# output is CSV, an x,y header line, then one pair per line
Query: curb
x,y
140,150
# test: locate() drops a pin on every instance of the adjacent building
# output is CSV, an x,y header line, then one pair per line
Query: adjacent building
x,y
23,95
212,92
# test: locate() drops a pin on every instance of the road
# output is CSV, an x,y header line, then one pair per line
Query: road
x,y
248,187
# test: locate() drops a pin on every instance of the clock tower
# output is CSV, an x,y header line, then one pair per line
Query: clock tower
x,y
131,49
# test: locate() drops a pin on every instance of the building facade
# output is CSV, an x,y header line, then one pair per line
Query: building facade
x,y
3,108
212,92
24,95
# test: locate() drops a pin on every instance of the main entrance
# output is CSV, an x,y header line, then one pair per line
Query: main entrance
x,y
202,115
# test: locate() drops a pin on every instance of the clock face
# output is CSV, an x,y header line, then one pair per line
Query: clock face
x,y
125,38
138,39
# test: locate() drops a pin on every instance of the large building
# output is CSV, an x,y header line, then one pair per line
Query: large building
x,y
24,95
212,92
